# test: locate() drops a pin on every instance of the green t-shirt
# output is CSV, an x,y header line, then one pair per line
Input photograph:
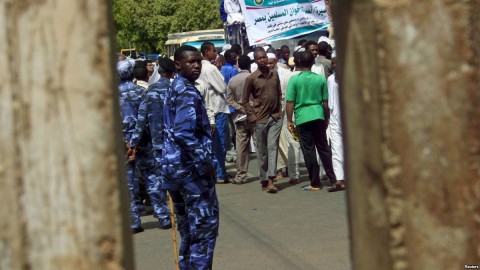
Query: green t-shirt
x,y
307,90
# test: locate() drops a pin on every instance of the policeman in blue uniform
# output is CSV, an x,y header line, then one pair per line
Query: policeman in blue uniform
x,y
130,98
188,164
146,140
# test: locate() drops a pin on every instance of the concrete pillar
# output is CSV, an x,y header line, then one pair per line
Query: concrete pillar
x,y
60,172
411,104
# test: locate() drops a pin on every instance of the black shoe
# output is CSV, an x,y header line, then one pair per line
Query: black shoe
x,y
166,227
137,230
165,224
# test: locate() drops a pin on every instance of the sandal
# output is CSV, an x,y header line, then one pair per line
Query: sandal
x,y
237,182
336,187
310,188
272,189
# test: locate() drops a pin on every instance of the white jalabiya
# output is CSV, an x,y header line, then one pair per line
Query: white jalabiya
x,y
283,86
155,77
289,151
318,69
253,67
335,128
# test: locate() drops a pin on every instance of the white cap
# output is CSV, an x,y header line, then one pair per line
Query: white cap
x,y
226,47
266,48
271,56
299,49
334,54
250,54
331,42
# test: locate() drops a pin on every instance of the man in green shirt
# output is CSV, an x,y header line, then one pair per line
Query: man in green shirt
x,y
307,95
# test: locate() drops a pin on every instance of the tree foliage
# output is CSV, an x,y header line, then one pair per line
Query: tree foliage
x,y
145,24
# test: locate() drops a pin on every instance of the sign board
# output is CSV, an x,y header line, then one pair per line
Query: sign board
x,y
269,20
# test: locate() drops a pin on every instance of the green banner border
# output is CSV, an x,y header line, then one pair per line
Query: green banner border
x,y
275,3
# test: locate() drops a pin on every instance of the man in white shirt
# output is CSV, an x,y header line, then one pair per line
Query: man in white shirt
x,y
289,146
335,130
215,101
202,87
234,12
312,47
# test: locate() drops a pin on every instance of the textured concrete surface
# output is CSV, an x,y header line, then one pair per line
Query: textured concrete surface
x,y
293,229
409,75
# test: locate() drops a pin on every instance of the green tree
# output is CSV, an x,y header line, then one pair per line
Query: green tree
x,y
195,15
145,24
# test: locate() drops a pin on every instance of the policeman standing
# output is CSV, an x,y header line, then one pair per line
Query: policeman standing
x,y
188,163
147,143
130,98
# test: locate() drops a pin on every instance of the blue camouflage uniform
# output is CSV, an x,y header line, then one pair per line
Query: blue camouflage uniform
x,y
188,165
130,98
148,152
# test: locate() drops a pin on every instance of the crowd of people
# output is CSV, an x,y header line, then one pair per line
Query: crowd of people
x,y
181,117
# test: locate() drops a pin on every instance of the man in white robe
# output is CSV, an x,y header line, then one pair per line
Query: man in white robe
x,y
335,125
289,151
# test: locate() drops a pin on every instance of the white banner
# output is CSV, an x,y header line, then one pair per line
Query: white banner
x,y
269,20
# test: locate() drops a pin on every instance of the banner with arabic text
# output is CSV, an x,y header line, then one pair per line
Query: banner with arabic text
x,y
269,20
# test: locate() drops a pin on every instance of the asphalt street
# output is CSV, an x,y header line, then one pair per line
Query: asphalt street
x,y
293,229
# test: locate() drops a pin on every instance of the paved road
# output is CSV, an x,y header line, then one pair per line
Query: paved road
x,y
293,229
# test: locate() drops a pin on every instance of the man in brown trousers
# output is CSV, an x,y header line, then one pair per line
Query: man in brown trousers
x,y
245,129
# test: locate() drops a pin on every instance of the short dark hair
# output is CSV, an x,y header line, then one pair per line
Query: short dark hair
x,y
244,62
180,52
257,49
310,43
228,54
237,48
206,46
323,48
140,71
166,65
284,47
296,59
306,59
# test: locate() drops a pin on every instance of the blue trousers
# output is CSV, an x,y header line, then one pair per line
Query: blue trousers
x,y
196,208
134,215
219,138
147,166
